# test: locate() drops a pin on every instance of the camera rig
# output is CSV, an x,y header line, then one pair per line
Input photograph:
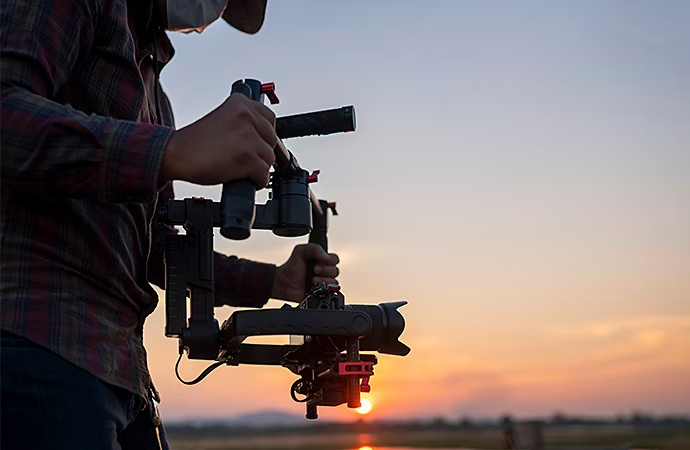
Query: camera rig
x,y
329,360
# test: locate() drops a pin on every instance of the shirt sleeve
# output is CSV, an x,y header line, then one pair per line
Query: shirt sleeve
x,y
241,282
238,282
50,148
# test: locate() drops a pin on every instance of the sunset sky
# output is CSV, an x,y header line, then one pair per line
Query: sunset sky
x,y
519,175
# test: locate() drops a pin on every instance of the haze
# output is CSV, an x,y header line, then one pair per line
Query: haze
x,y
519,175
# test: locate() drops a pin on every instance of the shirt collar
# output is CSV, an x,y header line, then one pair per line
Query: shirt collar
x,y
148,33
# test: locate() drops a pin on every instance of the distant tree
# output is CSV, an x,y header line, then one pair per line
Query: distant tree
x,y
640,418
559,419
466,423
508,433
439,422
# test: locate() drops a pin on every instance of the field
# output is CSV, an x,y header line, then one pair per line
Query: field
x,y
570,437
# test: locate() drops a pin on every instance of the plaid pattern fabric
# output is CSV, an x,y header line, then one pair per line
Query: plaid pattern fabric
x,y
81,150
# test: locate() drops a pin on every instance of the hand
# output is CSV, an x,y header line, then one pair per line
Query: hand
x,y
290,278
233,142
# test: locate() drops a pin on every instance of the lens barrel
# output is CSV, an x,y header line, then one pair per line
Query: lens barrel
x,y
388,325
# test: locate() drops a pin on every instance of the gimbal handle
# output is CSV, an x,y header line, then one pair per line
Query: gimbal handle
x,y
237,201
319,233
237,198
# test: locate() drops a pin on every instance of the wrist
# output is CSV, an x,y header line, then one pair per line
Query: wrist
x,y
282,288
169,170
278,287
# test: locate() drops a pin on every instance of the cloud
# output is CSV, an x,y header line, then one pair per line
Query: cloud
x,y
625,351
625,327
623,340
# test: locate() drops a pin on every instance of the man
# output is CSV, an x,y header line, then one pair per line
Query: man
x,y
88,150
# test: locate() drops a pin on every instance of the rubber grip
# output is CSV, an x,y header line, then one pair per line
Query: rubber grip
x,y
237,199
329,121
237,209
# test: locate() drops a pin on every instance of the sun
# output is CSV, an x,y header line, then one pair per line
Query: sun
x,y
365,408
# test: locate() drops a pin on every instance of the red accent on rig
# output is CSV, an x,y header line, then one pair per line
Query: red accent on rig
x,y
333,287
355,368
270,90
365,385
314,177
198,199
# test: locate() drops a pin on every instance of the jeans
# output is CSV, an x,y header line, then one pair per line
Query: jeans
x,y
49,403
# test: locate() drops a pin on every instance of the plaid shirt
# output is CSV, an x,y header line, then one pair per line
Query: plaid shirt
x,y
81,150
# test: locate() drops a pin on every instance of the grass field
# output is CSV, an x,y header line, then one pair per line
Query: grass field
x,y
555,438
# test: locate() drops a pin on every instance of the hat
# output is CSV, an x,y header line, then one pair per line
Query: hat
x,y
245,15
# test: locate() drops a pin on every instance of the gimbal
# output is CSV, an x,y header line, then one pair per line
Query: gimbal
x,y
329,361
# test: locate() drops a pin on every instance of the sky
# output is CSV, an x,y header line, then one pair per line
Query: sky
x,y
519,175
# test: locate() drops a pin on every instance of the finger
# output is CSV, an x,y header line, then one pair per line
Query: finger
x,y
265,123
260,172
327,271
333,259
325,280
265,152
327,259
313,251
260,116
267,113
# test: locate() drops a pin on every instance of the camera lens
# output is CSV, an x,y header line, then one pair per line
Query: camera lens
x,y
388,325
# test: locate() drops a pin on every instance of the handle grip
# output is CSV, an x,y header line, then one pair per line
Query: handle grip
x,y
329,121
237,199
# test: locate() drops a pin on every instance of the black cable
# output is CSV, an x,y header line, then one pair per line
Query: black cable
x,y
157,83
157,29
337,350
293,389
203,374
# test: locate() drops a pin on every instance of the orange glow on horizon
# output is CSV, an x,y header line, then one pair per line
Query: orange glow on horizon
x,y
525,376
